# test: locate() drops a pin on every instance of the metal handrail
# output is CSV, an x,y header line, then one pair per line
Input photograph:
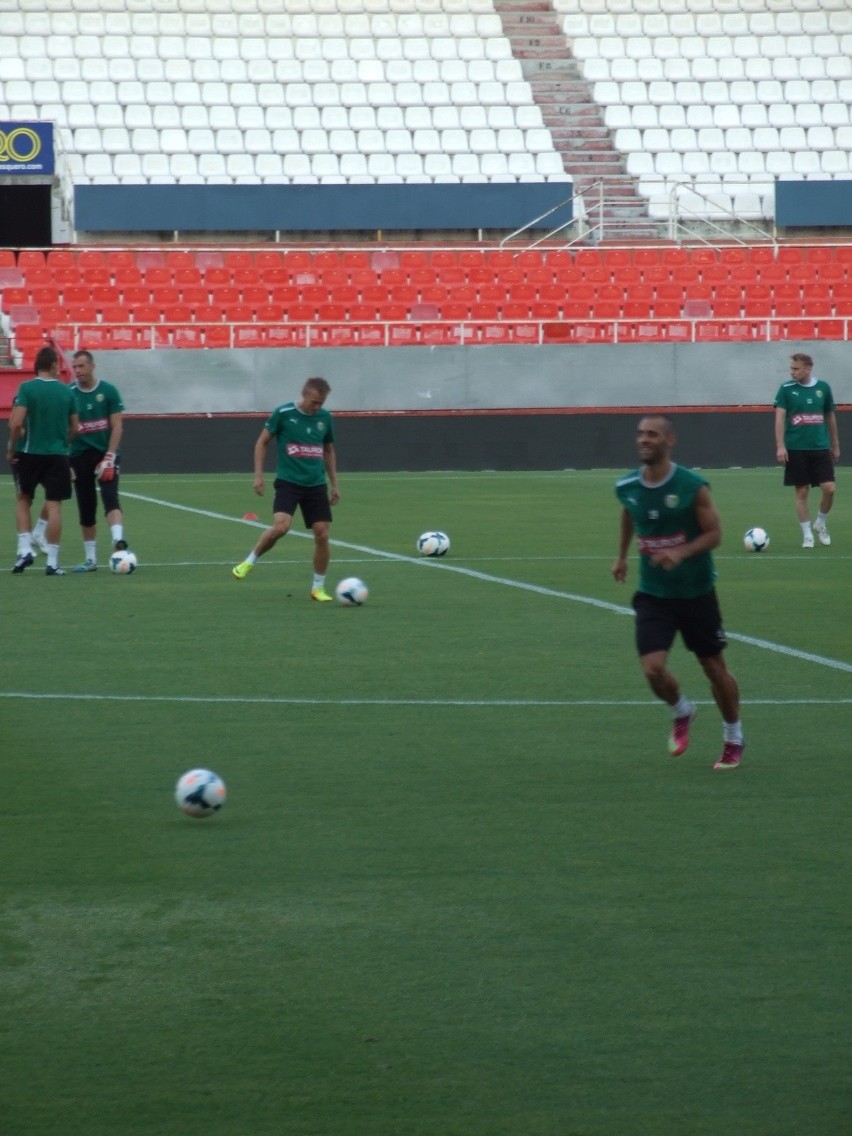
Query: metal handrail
x,y
676,228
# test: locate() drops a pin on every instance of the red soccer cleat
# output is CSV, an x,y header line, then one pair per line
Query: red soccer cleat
x,y
731,755
679,738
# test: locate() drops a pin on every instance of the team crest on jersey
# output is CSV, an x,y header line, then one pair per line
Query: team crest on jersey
x,y
671,500
99,398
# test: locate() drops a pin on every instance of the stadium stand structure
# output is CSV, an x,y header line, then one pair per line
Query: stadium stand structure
x,y
130,299
688,104
696,106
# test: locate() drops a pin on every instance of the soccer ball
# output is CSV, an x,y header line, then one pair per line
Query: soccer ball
x,y
756,540
433,544
123,563
200,793
351,592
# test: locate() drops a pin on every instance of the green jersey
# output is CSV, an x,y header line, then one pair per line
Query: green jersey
x,y
301,438
94,408
50,405
806,405
663,517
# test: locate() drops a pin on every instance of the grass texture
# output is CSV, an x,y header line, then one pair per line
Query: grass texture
x,y
459,888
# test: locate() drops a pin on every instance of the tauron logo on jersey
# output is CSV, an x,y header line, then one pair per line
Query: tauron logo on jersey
x,y
648,544
671,500
806,420
300,450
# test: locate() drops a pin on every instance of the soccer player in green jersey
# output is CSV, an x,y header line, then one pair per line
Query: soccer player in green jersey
x,y
306,477
807,443
41,425
94,460
671,512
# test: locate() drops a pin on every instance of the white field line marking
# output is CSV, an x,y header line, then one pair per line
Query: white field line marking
x,y
537,589
509,703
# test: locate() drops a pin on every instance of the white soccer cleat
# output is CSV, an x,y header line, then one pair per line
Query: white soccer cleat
x,y
822,533
808,542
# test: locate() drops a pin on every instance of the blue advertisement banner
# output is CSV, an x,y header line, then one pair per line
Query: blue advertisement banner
x,y
26,148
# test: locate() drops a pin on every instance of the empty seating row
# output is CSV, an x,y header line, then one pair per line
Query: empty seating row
x,y
179,73
220,116
21,93
325,168
119,29
729,68
735,21
794,257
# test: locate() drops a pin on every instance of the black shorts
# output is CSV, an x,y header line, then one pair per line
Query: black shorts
x,y
698,620
808,467
51,471
86,485
311,499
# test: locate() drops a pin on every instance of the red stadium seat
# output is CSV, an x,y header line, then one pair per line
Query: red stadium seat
x,y
146,313
187,337
115,313
516,310
252,335
214,335
81,313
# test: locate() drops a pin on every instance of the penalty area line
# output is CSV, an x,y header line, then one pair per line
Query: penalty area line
x,y
537,589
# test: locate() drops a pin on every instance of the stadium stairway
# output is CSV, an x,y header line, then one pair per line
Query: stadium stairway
x,y
574,119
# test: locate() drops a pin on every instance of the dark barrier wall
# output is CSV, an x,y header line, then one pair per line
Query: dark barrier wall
x,y
390,443
308,208
808,204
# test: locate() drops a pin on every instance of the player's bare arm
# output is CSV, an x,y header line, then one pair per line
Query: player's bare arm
x,y
833,435
780,448
330,459
625,536
17,418
260,448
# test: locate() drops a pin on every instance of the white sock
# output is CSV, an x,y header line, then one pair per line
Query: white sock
x,y
683,708
318,581
821,519
252,557
117,532
53,556
733,732
24,544
806,528
89,547
40,528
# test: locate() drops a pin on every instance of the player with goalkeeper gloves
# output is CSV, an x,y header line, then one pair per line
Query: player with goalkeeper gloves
x,y
94,459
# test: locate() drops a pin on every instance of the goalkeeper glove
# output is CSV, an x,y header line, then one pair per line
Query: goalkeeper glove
x,y
105,469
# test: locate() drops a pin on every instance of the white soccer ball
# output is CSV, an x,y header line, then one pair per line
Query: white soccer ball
x,y
756,540
123,563
433,544
200,793
351,592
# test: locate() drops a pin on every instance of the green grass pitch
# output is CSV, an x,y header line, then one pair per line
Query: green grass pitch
x,y
458,888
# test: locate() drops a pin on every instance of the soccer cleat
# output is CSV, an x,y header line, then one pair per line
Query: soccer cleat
x,y
679,738
24,560
320,595
822,533
51,571
242,570
808,542
731,755
88,566
39,544
119,545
